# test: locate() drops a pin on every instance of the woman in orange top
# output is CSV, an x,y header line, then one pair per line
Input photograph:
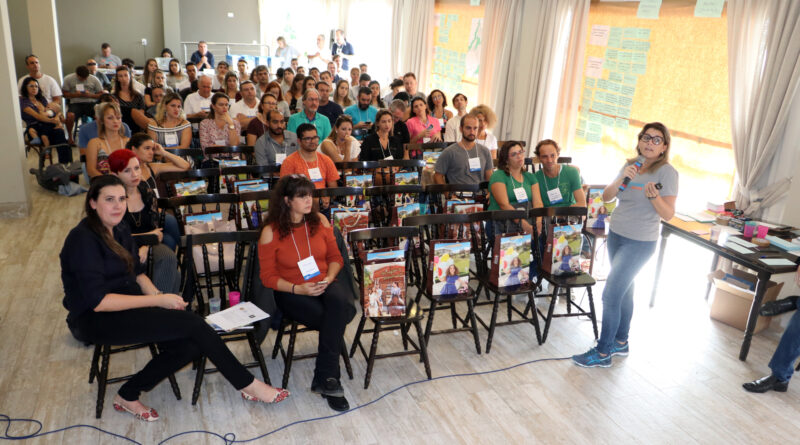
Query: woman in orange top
x,y
300,260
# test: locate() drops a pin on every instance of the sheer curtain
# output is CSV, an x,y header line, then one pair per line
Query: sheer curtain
x,y
545,37
412,38
764,71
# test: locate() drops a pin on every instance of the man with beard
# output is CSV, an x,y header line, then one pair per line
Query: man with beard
x,y
307,161
363,113
276,144
464,162
309,115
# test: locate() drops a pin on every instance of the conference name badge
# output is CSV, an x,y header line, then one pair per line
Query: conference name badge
x,y
314,174
519,193
170,139
308,267
279,158
475,164
554,196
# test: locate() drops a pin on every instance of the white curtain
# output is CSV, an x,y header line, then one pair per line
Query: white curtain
x,y
763,72
412,38
545,37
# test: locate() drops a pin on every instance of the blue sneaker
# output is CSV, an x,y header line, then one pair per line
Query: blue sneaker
x,y
618,349
592,359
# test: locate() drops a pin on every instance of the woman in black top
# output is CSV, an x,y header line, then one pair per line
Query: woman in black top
x,y
130,102
381,143
111,300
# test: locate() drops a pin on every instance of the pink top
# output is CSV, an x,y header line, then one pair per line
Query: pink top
x,y
416,126
211,135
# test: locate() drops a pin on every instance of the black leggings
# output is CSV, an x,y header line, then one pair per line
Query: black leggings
x,y
329,314
181,337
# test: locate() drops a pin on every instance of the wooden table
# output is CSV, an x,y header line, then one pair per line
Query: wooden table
x,y
684,229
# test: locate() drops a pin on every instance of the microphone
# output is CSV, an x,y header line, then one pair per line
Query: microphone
x,y
638,164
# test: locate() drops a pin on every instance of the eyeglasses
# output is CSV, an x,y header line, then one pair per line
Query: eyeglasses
x,y
309,139
657,140
516,153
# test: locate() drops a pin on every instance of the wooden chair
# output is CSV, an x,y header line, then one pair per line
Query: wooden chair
x,y
165,180
351,168
103,352
361,242
415,150
533,161
245,152
550,216
182,205
240,279
382,201
595,236
438,227
245,212
502,222
192,155
437,195
270,173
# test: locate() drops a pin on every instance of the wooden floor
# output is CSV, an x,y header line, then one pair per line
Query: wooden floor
x,y
681,383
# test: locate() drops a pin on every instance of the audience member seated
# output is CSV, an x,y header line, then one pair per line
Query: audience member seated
x,y
88,131
245,110
285,53
342,49
110,138
154,96
47,85
107,60
131,102
148,73
410,85
309,115
166,53
260,77
276,144
363,68
295,94
169,126
307,161
399,115
363,113
382,143
142,217
241,70
340,146
395,88
559,185
40,121
258,125
486,121
314,74
110,300
275,89
376,102
146,150
436,104
341,95
191,78
465,162
202,57
422,127
219,77
511,186
286,80
198,104
159,81
355,83
333,73
231,87
91,64
219,129
452,130
300,261
785,356
327,107
82,89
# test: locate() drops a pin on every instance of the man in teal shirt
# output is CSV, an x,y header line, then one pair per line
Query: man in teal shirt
x,y
309,115
559,185
363,113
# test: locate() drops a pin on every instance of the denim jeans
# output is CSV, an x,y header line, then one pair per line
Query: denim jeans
x,y
782,363
627,258
171,233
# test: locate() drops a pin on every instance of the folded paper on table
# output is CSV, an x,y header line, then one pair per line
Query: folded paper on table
x,y
236,317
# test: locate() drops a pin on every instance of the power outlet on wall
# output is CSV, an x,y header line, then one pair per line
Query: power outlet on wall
x,y
144,42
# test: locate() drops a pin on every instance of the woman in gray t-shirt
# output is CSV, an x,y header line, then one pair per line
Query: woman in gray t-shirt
x,y
648,198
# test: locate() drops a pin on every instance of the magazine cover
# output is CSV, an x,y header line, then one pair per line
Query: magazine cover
x,y
462,207
449,267
347,219
406,178
450,203
228,180
430,157
404,211
563,249
186,188
252,213
599,211
383,293
202,218
511,259
362,181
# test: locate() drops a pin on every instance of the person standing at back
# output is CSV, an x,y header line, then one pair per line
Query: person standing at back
x,y
342,48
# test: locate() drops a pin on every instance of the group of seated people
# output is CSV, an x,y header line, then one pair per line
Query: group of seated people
x,y
298,254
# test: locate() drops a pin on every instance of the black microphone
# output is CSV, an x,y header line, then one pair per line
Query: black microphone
x,y
638,164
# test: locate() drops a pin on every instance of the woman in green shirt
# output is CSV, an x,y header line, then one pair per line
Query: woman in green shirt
x,y
559,185
511,186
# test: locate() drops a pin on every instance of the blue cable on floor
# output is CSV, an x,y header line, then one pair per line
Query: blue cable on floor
x,y
230,438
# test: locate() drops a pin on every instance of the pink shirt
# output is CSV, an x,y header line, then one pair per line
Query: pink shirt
x,y
416,126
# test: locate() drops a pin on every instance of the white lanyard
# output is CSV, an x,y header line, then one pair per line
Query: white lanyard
x,y
308,240
519,192
554,195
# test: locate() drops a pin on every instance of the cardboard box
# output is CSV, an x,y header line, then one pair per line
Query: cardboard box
x,y
732,303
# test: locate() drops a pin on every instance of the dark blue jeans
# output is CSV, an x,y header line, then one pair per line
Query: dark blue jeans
x,y
171,233
782,363
627,258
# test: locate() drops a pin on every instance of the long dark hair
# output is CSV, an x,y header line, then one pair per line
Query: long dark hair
x,y
118,87
502,155
24,90
280,215
96,225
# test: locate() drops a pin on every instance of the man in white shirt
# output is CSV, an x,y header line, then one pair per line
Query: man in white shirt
x,y
48,86
107,60
452,130
198,104
246,109
316,57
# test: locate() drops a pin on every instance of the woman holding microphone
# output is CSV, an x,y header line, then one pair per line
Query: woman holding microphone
x,y
647,198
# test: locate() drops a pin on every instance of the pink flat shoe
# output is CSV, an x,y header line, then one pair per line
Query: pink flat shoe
x,y
150,416
280,396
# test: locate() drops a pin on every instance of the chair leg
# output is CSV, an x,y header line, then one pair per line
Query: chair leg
x,y
278,340
258,356
95,360
568,295
357,338
423,348
592,313
198,379
287,361
372,351
534,317
492,322
549,314
102,378
474,322
429,325
508,306
348,367
453,314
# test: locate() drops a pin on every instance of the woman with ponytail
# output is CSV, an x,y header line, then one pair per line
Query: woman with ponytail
x,y
111,301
